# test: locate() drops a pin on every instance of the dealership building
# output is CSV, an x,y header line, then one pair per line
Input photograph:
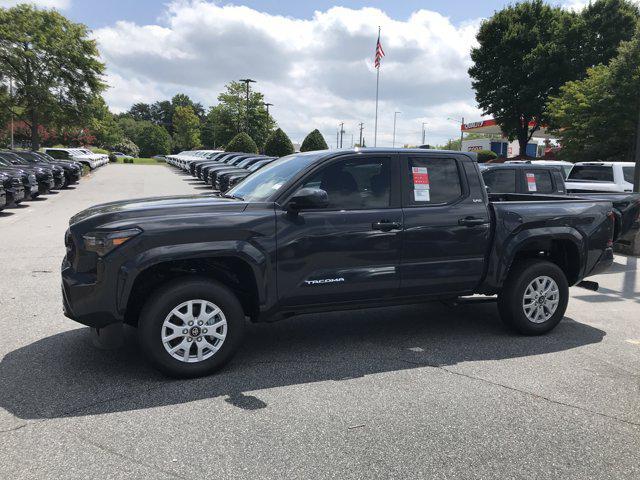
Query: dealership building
x,y
500,145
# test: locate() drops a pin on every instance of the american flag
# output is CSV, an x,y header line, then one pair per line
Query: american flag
x,y
379,53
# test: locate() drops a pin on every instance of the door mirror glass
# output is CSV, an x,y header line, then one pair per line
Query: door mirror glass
x,y
307,198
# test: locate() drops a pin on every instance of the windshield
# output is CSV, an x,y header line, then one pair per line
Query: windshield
x,y
593,173
628,173
263,184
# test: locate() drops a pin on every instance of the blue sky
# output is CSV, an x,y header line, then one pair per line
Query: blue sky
x,y
99,13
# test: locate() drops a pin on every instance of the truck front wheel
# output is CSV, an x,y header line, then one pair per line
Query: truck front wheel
x,y
191,327
534,297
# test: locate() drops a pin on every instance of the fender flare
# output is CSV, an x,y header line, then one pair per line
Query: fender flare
x,y
129,271
513,245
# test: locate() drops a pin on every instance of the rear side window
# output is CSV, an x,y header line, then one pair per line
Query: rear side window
x,y
433,181
593,173
500,180
628,173
538,181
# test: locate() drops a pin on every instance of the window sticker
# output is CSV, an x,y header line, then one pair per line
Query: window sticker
x,y
531,182
420,184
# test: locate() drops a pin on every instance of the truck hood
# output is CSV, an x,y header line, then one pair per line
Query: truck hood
x,y
154,206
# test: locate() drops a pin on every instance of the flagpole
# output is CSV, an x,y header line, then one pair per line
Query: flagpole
x,y
375,131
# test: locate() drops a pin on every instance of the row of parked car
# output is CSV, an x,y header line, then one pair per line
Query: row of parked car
x,y
221,170
24,174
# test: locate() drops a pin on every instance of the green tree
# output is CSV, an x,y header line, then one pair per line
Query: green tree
x,y
486,155
242,143
529,50
153,140
520,60
140,111
278,144
54,65
104,125
127,146
229,117
596,118
162,114
187,128
314,141
602,25
128,126
182,100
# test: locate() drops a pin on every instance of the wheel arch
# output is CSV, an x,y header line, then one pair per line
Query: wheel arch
x,y
241,273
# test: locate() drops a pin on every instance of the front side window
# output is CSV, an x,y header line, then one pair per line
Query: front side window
x,y
538,181
628,173
500,180
355,184
592,173
267,182
433,181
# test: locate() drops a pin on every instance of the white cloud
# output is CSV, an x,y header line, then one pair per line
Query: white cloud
x,y
317,72
59,4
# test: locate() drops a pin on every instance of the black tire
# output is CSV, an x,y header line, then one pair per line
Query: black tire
x,y
169,296
511,298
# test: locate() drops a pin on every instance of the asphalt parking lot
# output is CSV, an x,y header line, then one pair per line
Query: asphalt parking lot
x,y
407,392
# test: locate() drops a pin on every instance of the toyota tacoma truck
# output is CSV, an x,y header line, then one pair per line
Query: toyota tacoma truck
x,y
323,231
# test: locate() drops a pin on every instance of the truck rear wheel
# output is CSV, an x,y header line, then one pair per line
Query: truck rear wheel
x,y
191,327
534,297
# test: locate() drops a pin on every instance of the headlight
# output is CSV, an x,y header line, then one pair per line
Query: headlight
x,y
104,242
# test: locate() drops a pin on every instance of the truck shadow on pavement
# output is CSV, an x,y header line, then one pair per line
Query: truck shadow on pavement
x,y
65,375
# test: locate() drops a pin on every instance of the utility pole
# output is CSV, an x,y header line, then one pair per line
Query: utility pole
x,y
636,174
395,115
361,128
424,132
341,133
337,138
461,132
11,97
247,81
268,105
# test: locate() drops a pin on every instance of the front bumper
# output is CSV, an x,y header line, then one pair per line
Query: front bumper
x,y
87,300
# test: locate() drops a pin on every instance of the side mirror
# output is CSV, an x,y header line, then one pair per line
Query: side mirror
x,y
307,198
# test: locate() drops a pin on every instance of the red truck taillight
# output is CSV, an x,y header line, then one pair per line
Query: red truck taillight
x,y
612,218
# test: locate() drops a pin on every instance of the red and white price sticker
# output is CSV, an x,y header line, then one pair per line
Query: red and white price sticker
x,y
531,182
420,184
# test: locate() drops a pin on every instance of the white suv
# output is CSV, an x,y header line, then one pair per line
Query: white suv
x,y
601,177
82,155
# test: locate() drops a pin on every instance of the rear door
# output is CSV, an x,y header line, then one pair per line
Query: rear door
x,y
446,225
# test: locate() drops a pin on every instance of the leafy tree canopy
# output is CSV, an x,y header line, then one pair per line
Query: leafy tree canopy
x,y
225,120
527,51
314,141
242,143
54,66
278,144
187,128
596,118
153,140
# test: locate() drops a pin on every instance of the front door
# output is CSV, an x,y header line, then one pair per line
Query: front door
x,y
350,250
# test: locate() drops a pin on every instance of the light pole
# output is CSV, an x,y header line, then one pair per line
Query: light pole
x,y
341,133
11,97
361,128
461,126
247,81
395,116
268,105
424,132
